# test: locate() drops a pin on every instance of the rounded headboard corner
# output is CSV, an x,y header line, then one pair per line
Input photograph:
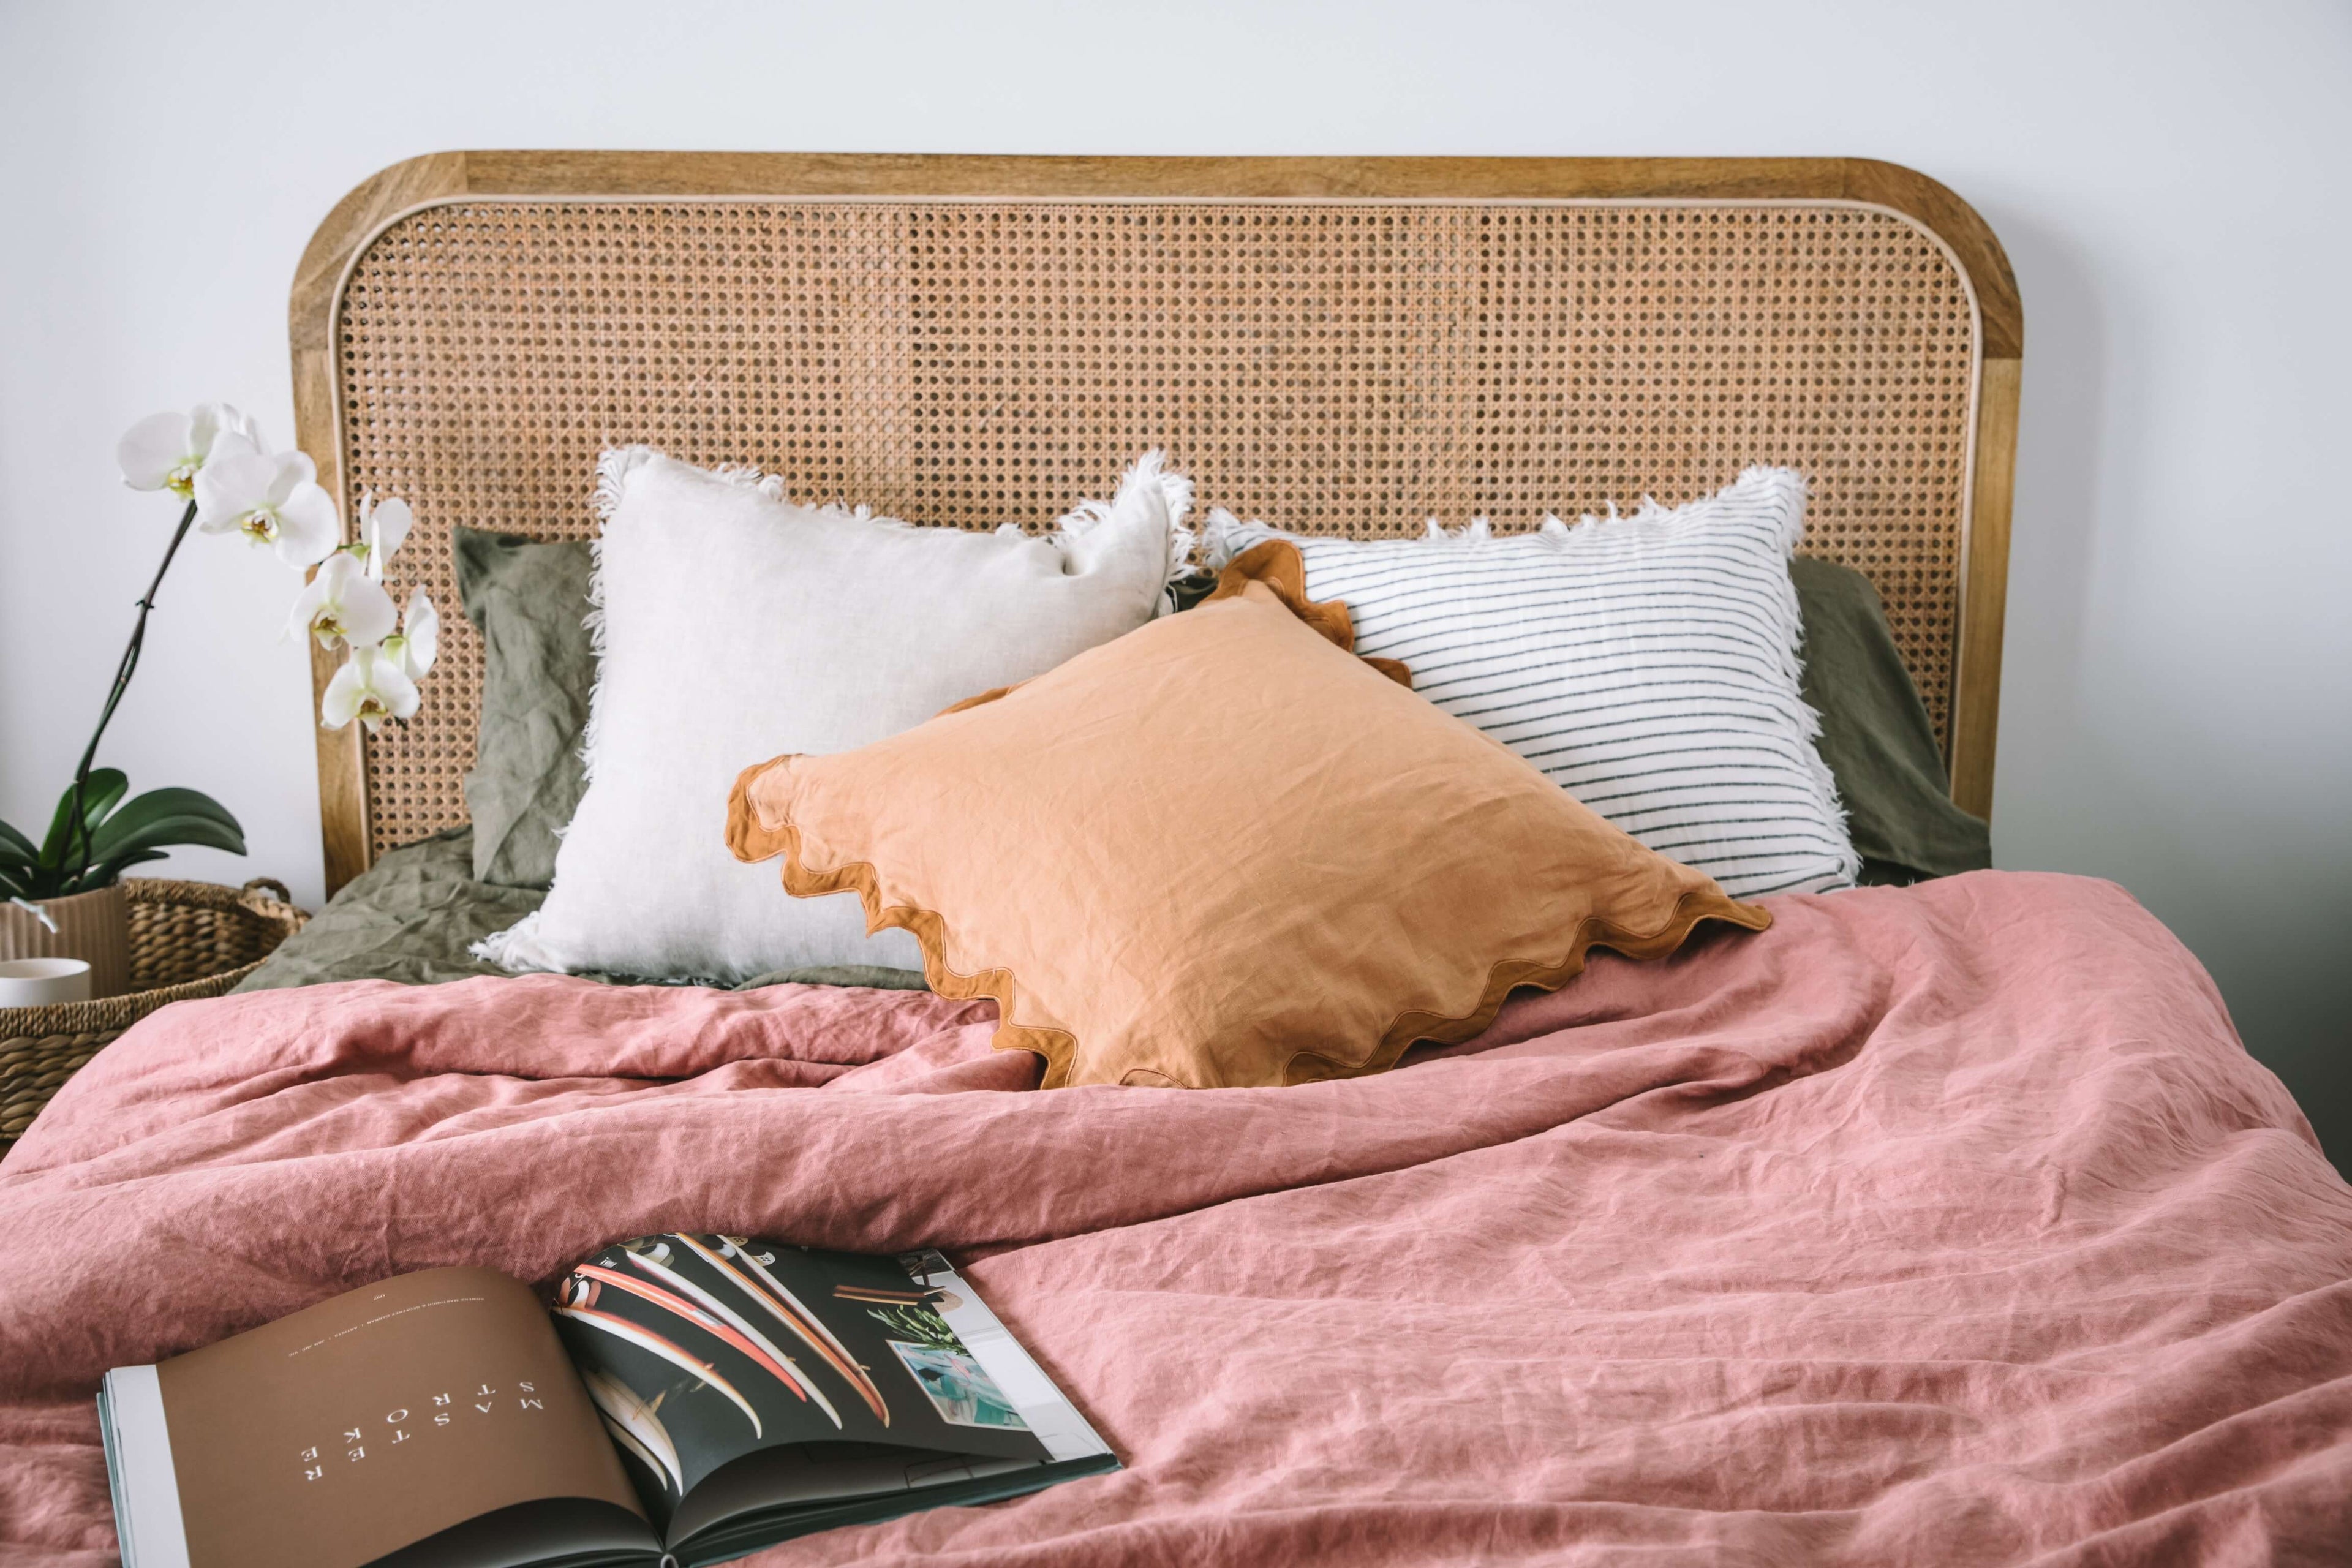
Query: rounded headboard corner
x,y
1960,226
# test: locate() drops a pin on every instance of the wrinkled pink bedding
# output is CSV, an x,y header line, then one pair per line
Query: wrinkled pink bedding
x,y
1942,1225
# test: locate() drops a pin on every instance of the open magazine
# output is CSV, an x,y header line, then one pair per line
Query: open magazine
x,y
688,1399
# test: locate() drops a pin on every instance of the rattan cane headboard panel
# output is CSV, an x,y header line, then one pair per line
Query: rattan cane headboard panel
x,y
1340,364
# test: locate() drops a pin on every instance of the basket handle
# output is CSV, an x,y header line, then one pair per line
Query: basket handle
x,y
284,894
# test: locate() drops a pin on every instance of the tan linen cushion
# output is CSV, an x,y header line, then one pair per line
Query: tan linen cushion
x,y
1220,850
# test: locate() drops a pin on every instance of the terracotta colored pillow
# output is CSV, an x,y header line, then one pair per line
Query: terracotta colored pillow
x,y
1220,850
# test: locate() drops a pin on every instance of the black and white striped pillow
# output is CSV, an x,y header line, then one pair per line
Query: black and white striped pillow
x,y
1647,664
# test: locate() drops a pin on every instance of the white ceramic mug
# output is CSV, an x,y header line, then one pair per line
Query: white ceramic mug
x,y
43,982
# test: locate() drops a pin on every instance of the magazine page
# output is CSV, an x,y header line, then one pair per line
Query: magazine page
x,y
967,1363
1009,1368
703,1351
361,1425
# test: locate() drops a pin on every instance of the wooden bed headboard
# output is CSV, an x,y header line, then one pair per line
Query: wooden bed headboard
x,y
1336,345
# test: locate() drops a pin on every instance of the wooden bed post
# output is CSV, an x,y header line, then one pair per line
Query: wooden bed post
x,y
1984,591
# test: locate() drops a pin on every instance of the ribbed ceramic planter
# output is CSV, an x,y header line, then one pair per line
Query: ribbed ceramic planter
x,y
92,926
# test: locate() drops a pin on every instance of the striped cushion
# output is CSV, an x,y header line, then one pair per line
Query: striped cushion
x,y
1646,664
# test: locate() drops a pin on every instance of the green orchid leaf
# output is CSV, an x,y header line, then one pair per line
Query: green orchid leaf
x,y
53,843
104,873
181,830
185,810
119,834
99,792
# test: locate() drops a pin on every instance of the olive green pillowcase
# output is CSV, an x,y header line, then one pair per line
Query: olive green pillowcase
x,y
1875,734
530,601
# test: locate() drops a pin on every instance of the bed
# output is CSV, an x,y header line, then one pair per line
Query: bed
x,y
1939,1224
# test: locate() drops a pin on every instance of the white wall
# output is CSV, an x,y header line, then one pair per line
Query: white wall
x,y
2168,177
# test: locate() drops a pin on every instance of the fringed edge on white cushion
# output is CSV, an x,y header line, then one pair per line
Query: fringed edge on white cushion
x,y
516,949
1227,536
1477,531
1792,493
1149,471
1754,478
1222,538
615,464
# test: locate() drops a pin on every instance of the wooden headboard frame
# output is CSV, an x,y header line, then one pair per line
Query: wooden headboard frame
x,y
1952,604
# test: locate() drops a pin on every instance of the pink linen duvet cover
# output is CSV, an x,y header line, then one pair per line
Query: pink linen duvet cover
x,y
1942,1225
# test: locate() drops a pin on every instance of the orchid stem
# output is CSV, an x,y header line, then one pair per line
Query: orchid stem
x,y
129,665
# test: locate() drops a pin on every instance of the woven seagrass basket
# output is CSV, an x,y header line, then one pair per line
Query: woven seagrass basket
x,y
188,940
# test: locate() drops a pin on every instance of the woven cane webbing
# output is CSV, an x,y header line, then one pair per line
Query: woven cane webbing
x,y
1331,366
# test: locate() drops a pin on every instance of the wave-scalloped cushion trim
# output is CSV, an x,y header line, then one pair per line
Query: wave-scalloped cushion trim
x,y
1195,893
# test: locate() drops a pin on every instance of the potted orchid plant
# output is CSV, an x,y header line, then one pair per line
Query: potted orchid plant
x,y
63,894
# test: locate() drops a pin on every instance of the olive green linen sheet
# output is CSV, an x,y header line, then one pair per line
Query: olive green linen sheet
x,y
410,916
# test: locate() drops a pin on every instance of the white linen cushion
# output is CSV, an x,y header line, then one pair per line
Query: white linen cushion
x,y
732,627
1647,664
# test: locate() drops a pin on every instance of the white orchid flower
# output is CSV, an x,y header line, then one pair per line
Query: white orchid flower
x,y
382,528
274,500
369,688
419,642
166,451
343,605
